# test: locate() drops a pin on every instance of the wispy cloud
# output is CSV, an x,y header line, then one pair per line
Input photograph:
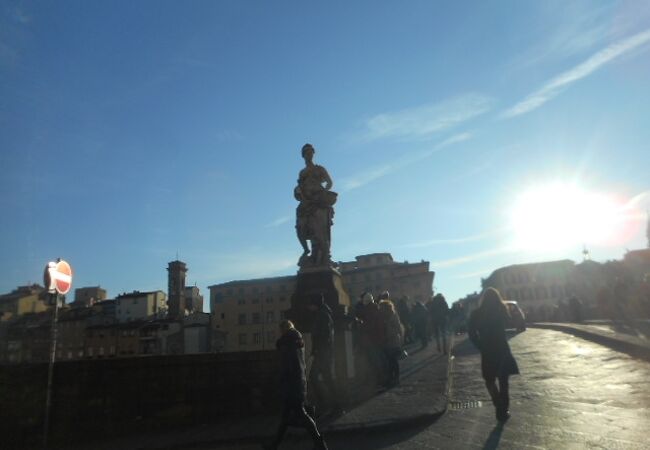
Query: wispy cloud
x,y
425,121
471,257
559,83
460,240
277,222
379,171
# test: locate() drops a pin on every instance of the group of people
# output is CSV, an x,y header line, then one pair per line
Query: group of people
x,y
424,321
381,338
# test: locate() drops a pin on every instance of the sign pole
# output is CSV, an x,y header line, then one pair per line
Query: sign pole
x,y
50,372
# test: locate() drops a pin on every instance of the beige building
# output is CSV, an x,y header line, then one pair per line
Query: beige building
x,y
140,305
378,272
23,300
535,284
88,296
246,313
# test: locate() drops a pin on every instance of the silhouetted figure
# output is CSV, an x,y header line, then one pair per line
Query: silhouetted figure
x,y
419,318
293,386
575,306
439,315
487,332
372,335
404,313
394,334
322,338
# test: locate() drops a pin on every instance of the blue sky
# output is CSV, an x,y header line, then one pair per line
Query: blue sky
x,y
136,132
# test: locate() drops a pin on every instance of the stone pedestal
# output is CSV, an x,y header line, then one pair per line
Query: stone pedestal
x,y
313,281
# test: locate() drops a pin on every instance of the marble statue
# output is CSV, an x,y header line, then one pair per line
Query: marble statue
x,y
315,212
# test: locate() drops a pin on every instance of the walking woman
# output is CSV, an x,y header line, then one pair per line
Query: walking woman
x,y
394,337
487,332
293,386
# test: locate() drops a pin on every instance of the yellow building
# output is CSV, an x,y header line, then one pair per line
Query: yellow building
x,y
246,313
23,300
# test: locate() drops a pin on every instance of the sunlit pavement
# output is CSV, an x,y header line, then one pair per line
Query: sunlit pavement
x,y
572,394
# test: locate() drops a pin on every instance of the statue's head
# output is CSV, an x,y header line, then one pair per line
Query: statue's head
x,y
308,148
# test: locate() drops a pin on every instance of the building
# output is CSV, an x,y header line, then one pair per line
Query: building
x,y
87,296
23,300
140,305
246,313
535,284
378,272
193,300
176,272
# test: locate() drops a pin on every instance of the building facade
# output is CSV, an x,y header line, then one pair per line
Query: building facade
x,y
176,273
140,305
246,313
378,272
87,296
23,300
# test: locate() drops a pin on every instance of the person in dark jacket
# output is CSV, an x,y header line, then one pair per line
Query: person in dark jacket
x,y
404,312
293,386
439,315
322,351
487,332
372,341
420,321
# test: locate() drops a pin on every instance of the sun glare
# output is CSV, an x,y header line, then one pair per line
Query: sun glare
x,y
561,216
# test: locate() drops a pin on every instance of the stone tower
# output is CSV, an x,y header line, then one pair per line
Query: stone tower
x,y
176,289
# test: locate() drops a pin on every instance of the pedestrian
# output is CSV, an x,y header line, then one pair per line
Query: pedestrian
x,y
322,339
372,341
404,313
394,335
439,317
487,332
293,386
420,320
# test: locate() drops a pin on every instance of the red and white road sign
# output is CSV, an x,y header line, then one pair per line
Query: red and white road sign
x,y
58,277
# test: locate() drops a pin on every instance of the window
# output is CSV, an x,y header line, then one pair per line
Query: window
x,y
256,318
242,339
270,316
223,315
255,301
242,291
283,315
270,336
269,300
229,291
241,301
283,299
256,290
242,319
257,338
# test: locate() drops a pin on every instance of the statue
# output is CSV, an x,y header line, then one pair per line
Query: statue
x,y
315,212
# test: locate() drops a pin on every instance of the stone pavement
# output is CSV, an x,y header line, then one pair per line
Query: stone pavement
x,y
621,336
420,399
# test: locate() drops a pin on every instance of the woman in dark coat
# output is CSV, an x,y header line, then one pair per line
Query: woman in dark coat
x,y
293,386
487,332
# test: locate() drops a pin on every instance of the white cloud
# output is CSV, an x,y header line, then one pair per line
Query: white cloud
x,y
469,258
380,171
595,62
427,120
277,222
461,240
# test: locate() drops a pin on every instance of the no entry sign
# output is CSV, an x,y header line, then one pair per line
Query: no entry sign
x,y
58,277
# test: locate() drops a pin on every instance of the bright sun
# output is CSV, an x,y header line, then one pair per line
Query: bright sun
x,y
562,216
